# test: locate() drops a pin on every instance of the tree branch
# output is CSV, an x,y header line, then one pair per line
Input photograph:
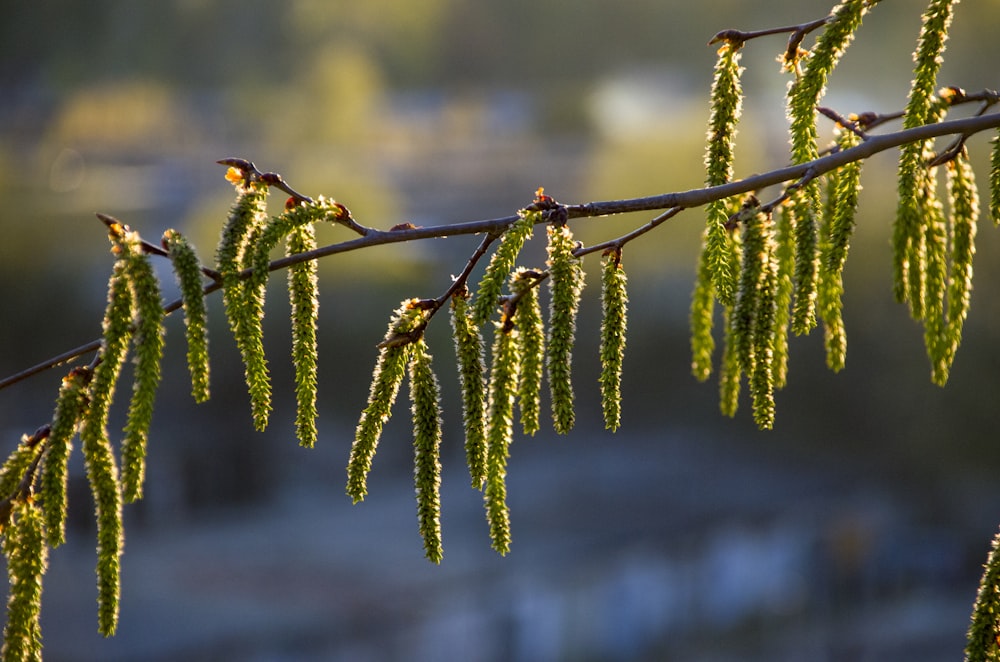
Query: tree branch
x,y
673,203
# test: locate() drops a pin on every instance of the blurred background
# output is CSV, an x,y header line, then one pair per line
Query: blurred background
x,y
856,530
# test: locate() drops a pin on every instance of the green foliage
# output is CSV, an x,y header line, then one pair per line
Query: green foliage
x,y
566,280
27,558
614,305
187,268
471,373
531,346
425,396
501,264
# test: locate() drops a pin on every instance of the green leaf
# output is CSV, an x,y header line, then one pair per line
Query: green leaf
x,y
614,323
425,396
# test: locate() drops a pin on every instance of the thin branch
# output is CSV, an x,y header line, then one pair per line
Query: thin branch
x,y
667,201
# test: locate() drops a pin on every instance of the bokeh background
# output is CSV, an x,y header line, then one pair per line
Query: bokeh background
x,y
856,530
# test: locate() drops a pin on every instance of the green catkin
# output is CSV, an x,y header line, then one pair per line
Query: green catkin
x,y
15,467
471,372
27,559
842,203
148,351
70,408
187,269
804,95
499,433
243,304
983,636
962,223
701,318
566,281
726,106
102,470
614,306
785,254
390,369
756,256
764,327
531,346
501,264
425,398
303,293
995,179
908,229
934,275
730,371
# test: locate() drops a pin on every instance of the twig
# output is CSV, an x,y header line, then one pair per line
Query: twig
x,y
683,200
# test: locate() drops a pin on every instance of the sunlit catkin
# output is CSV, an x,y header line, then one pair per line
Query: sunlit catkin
x,y
472,379
501,264
187,269
425,399
303,295
614,323
531,347
504,375
27,559
566,280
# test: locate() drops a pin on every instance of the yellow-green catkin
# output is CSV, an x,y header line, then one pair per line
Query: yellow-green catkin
x,y
842,203
566,281
785,254
303,294
501,264
951,306
17,465
531,346
243,304
27,559
701,319
390,369
614,306
504,375
982,641
720,257
471,373
909,256
70,408
148,351
995,179
187,269
804,95
730,372
425,398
